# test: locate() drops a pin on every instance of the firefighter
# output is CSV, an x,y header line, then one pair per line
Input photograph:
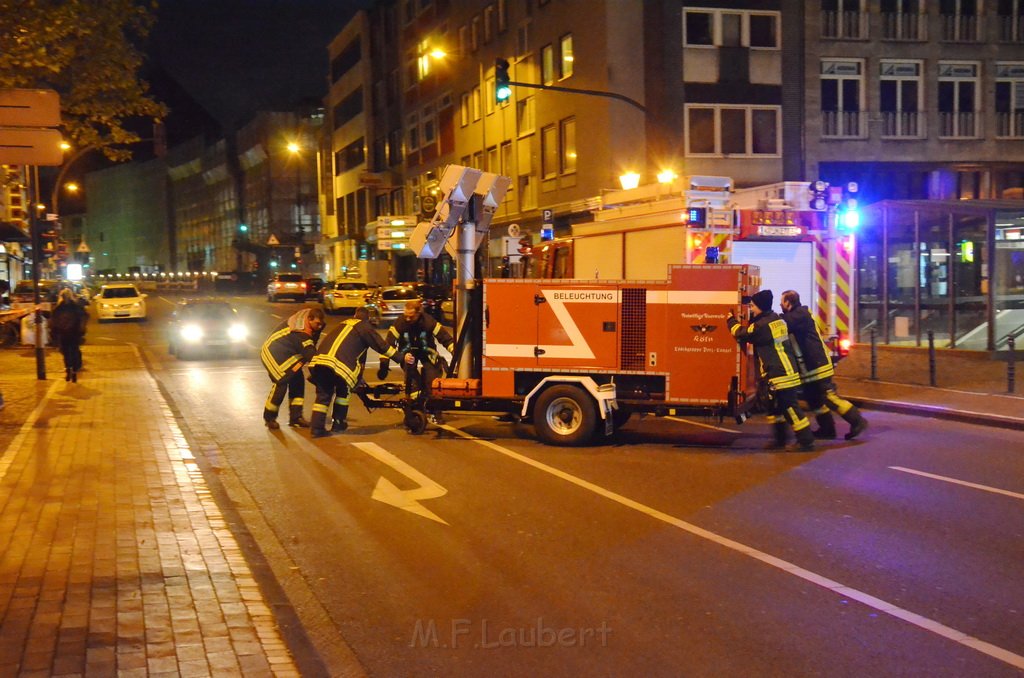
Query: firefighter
x,y
770,337
816,371
338,366
290,346
414,339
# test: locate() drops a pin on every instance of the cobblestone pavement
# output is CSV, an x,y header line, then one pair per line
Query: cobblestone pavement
x,y
114,557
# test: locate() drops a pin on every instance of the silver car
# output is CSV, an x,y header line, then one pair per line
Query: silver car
x,y
387,304
344,296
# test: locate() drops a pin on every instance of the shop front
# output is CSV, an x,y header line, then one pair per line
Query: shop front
x,y
954,269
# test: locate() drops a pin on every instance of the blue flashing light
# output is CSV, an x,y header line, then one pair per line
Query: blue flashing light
x,y
547,233
850,219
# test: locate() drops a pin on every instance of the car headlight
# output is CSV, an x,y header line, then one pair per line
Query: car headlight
x,y
137,304
238,332
191,332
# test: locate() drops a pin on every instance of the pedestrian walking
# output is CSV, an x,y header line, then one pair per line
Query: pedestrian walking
x,y
338,366
414,337
768,333
817,370
68,322
289,347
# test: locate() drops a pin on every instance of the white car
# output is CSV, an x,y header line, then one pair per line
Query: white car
x,y
344,296
119,301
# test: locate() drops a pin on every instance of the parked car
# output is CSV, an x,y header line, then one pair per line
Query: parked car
x,y
286,286
24,292
386,304
203,326
314,286
120,301
344,297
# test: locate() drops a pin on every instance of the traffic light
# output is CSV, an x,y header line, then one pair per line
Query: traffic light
x,y
819,195
502,82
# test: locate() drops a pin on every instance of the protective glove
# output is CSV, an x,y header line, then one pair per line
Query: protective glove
x,y
382,372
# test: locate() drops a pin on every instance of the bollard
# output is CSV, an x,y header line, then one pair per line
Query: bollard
x,y
1011,365
931,358
874,356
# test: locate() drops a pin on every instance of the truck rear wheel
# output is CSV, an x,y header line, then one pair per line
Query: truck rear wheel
x,y
565,415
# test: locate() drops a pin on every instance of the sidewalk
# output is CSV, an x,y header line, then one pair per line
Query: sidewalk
x,y
970,387
114,557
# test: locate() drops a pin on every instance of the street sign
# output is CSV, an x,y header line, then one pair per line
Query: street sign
x,y
547,216
30,146
83,248
428,203
513,230
29,108
273,241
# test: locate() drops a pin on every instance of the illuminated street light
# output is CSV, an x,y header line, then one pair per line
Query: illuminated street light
x,y
629,180
667,177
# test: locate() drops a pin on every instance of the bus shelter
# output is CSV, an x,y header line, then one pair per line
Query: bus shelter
x,y
954,268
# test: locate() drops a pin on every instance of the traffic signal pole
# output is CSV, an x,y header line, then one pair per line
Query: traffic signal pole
x,y
588,92
37,260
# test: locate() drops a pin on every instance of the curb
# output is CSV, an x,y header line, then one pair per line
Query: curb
x,y
937,412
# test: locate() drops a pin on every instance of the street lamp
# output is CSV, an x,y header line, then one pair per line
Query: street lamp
x,y
296,150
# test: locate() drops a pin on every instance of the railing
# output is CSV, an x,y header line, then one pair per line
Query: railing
x,y
957,124
904,26
960,28
844,25
841,124
1011,29
901,124
1010,125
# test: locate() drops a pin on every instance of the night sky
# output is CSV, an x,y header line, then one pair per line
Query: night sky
x,y
237,57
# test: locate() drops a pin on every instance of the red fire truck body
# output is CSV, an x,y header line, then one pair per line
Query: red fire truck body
x,y
658,346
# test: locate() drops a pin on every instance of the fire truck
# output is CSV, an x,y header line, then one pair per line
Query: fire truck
x,y
789,230
578,357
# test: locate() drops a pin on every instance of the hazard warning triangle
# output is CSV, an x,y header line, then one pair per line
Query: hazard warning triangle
x,y
272,240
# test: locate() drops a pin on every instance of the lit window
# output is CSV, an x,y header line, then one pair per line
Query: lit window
x,y
566,63
568,146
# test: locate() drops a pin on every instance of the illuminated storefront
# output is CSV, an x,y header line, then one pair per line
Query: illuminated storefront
x,y
954,268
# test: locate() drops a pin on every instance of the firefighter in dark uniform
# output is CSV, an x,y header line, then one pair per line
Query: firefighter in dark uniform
x,y
770,337
817,371
338,366
414,337
290,346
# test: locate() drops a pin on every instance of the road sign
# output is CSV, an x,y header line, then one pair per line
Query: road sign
x,y
29,108
273,241
548,216
30,146
428,203
513,230
83,248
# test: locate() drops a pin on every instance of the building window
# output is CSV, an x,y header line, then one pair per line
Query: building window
x,y
903,20
527,193
1011,21
502,16
474,33
506,168
348,108
492,159
567,57
959,20
958,99
547,64
413,129
350,157
899,98
345,60
488,23
844,19
842,95
464,109
1010,100
746,131
395,147
731,28
568,161
463,40
526,116
489,96
548,152
476,103
429,125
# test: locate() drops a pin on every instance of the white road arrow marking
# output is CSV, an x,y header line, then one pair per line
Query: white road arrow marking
x,y
407,500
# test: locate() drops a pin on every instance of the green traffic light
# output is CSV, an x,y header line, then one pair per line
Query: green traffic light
x,y
243,228
503,93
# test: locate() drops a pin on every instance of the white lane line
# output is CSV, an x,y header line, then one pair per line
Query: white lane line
x,y
976,486
838,588
697,423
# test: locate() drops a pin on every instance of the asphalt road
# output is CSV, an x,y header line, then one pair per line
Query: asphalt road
x,y
679,548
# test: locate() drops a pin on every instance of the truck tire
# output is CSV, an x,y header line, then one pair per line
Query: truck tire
x,y
619,418
565,415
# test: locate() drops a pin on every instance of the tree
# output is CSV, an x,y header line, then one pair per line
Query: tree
x,y
86,50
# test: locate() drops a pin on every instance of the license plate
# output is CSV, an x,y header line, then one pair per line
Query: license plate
x,y
121,314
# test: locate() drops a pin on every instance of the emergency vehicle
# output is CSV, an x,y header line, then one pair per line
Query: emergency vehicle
x,y
578,357
789,230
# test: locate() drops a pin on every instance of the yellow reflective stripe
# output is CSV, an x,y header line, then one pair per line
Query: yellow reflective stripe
x,y
324,360
341,401
820,373
320,408
841,406
786,381
297,401
799,423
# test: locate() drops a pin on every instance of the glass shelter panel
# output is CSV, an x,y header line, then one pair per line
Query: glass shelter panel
x,y
1008,277
935,274
902,275
970,286
870,275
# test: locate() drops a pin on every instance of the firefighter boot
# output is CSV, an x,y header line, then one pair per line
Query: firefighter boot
x,y
295,418
317,426
340,416
805,439
826,426
857,422
780,433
